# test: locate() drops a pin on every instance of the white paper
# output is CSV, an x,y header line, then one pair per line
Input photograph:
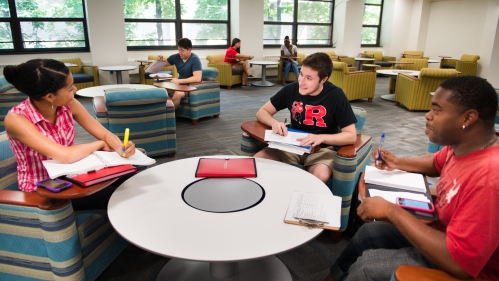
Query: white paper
x,y
391,196
311,207
396,179
290,138
295,150
331,204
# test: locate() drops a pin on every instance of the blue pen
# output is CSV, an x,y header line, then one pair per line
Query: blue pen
x,y
381,141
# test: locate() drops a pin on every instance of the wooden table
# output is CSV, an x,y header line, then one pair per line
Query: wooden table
x,y
175,87
372,67
256,129
142,62
361,60
76,191
394,74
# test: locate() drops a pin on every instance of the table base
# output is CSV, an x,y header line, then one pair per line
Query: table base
x,y
263,84
265,269
389,97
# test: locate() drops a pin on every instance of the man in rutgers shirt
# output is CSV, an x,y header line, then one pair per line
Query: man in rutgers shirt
x,y
317,107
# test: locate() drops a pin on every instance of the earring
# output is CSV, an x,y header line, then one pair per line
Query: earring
x,y
53,108
464,127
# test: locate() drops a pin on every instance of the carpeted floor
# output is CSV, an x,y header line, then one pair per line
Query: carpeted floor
x,y
216,136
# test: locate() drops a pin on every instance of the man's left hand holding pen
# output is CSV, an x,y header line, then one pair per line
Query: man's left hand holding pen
x,y
280,128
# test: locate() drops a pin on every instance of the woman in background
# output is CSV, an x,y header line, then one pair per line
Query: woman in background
x,y
238,61
42,127
288,51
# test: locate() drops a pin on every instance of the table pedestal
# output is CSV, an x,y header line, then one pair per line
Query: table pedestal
x,y
264,269
263,83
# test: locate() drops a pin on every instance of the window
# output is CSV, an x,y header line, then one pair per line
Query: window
x,y
307,23
31,26
371,23
159,24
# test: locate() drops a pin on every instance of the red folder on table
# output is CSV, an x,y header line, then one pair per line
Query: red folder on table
x,y
226,167
101,175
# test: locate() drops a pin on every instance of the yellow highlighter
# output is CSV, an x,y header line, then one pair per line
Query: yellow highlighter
x,y
125,140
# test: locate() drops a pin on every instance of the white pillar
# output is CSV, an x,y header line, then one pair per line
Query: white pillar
x,y
106,32
349,28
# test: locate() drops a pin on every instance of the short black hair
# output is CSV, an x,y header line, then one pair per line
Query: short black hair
x,y
235,41
472,92
38,77
184,43
320,62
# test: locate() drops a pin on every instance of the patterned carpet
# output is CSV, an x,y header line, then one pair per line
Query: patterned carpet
x,y
216,136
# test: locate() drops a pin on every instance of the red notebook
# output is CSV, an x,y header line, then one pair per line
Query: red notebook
x,y
101,175
226,167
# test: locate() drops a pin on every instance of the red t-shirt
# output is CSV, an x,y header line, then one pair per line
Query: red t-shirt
x,y
230,55
468,207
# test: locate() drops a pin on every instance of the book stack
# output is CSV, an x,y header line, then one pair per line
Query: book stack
x,y
288,143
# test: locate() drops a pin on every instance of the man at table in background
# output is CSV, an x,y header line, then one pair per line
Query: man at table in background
x,y
464,242
188,66
318,108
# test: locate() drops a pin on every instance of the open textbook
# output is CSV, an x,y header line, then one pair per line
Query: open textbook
x,y
288,143
95,161
156,66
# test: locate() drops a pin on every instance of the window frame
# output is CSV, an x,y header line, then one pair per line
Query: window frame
x,y
178,29
15,26
377,26
294,27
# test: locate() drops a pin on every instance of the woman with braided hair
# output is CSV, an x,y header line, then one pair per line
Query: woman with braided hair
x,y
289,50
42,127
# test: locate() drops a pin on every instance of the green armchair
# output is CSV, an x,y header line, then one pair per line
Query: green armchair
x,y
380,59
349,163
85,76
467,65
291,75
417,64
226,75
145,79
414,93
356,84
44,239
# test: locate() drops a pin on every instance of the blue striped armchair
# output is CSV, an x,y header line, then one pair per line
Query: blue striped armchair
x,y
349,162
152,124
43,239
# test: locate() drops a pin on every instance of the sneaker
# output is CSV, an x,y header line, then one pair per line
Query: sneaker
x,y
251,76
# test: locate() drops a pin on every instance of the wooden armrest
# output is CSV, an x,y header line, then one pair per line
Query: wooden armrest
x,y
100,104
417,273
357,72
410,76
29,199
350,151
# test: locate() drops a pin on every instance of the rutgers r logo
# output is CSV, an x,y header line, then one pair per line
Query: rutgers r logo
x,y
316,112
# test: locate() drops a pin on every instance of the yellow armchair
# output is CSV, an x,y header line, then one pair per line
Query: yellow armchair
x,y
85,76
338,58
413,54
467,65
356,84
225,75
291,75
414,93
149,81
417,64
380,59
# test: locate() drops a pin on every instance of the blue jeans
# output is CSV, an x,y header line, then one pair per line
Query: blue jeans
x,y
287,65
374,253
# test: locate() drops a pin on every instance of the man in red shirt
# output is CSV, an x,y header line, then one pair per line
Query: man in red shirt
x,y
464,242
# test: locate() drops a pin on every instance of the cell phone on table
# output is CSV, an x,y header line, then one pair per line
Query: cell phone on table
x,y
54,185
416,205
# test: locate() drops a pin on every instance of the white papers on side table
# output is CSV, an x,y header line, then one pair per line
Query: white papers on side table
x,y
396,179
287,143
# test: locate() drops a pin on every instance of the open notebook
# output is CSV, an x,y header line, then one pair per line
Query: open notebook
x,y
95,161
396,179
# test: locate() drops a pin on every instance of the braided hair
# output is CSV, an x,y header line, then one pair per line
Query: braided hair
x,y
38,77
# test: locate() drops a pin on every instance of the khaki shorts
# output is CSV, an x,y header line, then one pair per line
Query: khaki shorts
x,y
323,156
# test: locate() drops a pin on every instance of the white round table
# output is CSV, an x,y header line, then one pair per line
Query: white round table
x,y
394,73
99,90
118,69
264,82
360,60
149,212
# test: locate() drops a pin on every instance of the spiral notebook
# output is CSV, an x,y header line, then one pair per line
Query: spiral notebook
x,y
396,179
